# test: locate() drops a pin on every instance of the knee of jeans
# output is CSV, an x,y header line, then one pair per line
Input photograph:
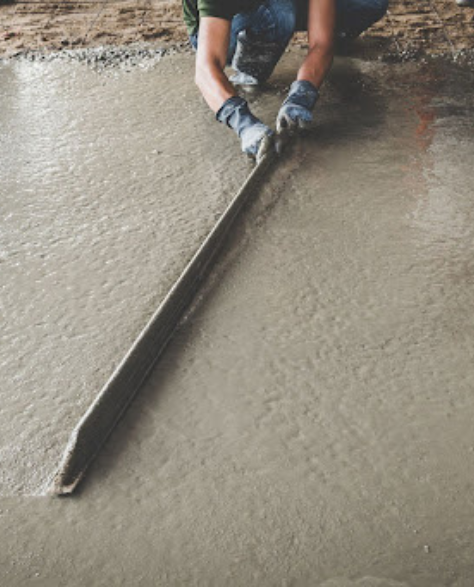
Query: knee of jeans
x,y
193,41
380,8
284,15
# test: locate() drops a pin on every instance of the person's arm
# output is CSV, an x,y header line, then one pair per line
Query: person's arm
x,y
219,93
214,34
321,26
296,111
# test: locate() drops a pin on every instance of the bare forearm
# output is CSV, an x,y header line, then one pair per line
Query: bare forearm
x,y
213,44
321,27
316,65
213,84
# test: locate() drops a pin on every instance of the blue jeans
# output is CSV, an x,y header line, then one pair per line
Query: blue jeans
x,y
272,21
276,21
353,17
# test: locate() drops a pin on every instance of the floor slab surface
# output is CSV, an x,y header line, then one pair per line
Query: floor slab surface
x,y
311,421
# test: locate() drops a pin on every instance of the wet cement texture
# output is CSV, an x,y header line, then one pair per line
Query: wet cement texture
x,y
311,422
107,189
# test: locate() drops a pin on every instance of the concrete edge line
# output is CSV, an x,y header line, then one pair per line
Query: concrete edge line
x,y
103,414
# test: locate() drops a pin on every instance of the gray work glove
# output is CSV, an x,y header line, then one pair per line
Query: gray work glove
x,y
296,111
255,137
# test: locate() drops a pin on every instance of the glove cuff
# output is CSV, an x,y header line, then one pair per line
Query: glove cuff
x,y
303,93
235,113
225,112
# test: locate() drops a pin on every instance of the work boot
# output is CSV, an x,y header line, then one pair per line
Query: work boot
x,y
465,3
254,59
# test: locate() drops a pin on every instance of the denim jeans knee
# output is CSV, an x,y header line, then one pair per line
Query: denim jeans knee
x,y
380,8
356,16
193,41
275,20
283,13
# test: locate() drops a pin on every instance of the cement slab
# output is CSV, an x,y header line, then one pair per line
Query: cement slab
x,y
108,185
311,422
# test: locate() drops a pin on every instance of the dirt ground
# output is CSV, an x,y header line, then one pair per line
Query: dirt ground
x,y
410,27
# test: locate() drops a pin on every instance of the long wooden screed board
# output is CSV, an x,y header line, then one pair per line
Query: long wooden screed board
x,y
103,414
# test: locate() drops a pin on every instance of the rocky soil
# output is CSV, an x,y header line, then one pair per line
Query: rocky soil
x,y
412,27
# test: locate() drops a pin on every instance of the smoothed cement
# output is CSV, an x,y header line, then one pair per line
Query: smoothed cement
x,y
100,420
311,422
108,186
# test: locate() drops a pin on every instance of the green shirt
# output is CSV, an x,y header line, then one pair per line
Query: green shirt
x,y
193,10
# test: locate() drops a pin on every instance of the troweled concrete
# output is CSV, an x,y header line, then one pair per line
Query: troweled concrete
x,y
107,186
311,423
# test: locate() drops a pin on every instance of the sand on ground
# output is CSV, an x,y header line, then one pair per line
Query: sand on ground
x,y
411,26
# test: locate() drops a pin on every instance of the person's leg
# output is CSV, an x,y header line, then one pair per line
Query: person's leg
x,y
193,41
356,16
274,21
240,22
259,38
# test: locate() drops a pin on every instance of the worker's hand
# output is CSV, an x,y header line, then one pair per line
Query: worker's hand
x,y
257,140
296,111
255,137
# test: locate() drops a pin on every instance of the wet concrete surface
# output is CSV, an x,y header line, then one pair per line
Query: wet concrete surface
x,y
311,422
101,208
